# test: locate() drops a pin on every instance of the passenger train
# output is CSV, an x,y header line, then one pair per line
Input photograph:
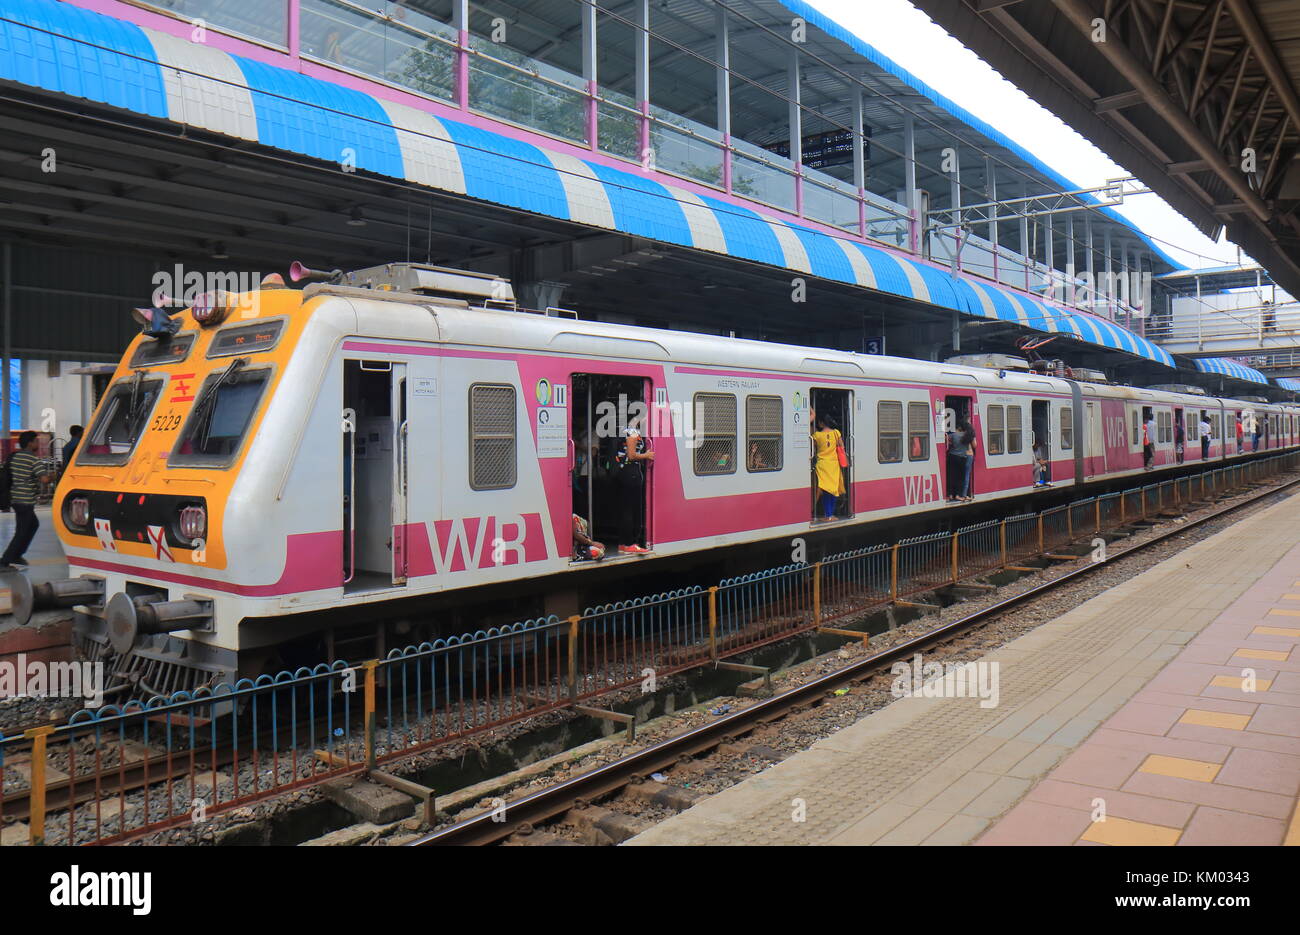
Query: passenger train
x,y
261,458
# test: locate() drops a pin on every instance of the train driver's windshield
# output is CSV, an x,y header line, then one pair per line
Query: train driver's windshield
x,y
121,420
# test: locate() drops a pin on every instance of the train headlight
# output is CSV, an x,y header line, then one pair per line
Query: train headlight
x,y
194,522
79,511
210,308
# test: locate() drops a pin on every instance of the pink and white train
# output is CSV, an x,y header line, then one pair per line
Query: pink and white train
x,y
405,431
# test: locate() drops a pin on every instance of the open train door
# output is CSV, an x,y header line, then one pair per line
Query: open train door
x,y
374,475
836,407
957,409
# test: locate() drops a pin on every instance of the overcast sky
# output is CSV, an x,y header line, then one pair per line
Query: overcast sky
x,y
907,36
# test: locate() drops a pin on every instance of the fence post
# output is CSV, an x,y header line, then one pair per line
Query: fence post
x,y
36,798
1097,513
1041,548
817,594
573,657
893,573
1123,507
954,556
1002,541
713,622
370,668
1069,523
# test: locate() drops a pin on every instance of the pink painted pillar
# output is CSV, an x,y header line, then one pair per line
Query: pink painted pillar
x,y
593,112
462,70
726,163
293,12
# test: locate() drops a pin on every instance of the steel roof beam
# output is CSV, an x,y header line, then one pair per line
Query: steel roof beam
x,y
1077,12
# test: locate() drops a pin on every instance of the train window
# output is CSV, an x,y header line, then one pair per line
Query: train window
x,y
1015,431
918,432
216,426
715,427
1164,427
997,430
1135,427
763,433
121,420
493,463
1067,428
156,353
889,447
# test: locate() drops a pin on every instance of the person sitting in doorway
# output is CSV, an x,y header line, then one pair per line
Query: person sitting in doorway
x,y
585,548
1042,467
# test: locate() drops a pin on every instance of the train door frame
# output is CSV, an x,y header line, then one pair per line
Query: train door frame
x,y
379,462
841,413
1040,425
585,402
962,407
1179,428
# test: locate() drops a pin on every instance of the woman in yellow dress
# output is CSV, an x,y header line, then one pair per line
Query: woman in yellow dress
x,y
830,476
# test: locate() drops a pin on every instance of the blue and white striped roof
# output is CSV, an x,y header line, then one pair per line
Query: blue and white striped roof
x,y
61,48
1230,368
1287,383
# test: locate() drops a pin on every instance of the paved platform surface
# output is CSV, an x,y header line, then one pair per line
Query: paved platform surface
x,y
1132,705
45,555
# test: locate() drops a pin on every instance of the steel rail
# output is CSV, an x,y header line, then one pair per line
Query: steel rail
x,y
493,826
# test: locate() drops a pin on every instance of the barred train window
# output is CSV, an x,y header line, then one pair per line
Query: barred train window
x,y
1135,427
997,430
889,416
715,427
1067,428
492,458
918,431
1015,433
763,433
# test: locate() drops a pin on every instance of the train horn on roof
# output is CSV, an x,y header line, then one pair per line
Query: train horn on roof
x,y
300,273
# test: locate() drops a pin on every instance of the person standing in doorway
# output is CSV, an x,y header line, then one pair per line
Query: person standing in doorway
x,y
1149,443
1204,429
630,460
26,474
961,451
830,476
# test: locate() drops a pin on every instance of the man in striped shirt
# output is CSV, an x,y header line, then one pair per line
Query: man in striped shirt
x,y
26,471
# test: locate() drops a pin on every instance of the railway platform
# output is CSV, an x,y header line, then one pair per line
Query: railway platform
x,y
1169,706
48,635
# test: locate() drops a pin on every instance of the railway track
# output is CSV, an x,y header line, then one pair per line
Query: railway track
x,y
149,767
574,799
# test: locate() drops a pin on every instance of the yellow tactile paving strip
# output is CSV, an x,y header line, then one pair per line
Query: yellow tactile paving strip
x,y
942,770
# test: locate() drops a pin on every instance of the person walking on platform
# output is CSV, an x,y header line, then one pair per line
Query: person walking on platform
x,y
830,476
25,475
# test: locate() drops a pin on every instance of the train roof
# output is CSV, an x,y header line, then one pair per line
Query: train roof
x,y
458,322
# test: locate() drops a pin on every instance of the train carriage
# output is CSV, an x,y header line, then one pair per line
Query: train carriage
x,y
403,431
